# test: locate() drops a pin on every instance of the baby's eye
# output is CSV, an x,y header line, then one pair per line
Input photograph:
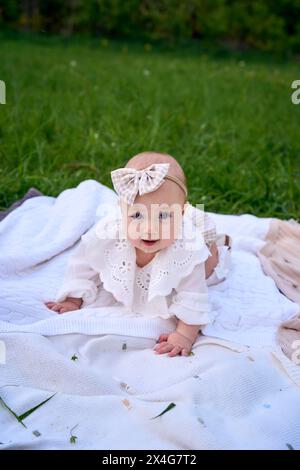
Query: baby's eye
x,y
164,215
137,215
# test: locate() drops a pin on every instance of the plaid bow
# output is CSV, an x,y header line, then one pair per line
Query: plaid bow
x,y
128,182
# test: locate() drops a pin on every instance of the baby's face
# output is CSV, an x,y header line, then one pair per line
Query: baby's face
x,y
153,222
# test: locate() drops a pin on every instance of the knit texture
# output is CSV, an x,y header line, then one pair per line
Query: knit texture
x,y
231,394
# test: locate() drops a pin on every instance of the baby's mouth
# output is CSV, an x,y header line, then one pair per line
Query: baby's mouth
x,y
149,242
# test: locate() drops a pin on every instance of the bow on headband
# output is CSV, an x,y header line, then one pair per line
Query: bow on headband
x,y
128,182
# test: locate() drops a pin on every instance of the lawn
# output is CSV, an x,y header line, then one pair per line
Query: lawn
x,y
78,109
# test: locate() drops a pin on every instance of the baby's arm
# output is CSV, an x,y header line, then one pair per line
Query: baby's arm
x,y
80,284
191,307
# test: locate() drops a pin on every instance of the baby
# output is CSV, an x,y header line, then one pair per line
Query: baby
x,y
151,256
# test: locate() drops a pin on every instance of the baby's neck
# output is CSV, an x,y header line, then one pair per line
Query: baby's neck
x,y
142,258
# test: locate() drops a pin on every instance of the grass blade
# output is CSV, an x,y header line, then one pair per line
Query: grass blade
x,y
169,407
12,412
290,447
28,412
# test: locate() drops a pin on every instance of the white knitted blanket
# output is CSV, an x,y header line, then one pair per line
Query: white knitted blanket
x,y
232,393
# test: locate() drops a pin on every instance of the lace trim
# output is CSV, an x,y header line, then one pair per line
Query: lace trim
x,y
167,272
113,258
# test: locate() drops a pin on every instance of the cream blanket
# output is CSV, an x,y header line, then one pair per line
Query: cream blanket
x,y
236,392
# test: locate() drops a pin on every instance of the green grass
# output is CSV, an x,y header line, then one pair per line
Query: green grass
x,y
228,120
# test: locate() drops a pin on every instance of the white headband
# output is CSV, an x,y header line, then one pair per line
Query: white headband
x,y
129,182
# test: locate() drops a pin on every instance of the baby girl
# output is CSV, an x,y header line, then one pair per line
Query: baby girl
x,y
153,255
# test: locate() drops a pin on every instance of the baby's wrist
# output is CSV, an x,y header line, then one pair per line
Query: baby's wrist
x,y
190,332
190,340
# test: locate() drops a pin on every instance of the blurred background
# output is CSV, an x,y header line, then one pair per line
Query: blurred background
x,y
89,83
263,24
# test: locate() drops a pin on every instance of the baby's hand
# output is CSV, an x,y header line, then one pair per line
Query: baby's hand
x,y
66,306
174,344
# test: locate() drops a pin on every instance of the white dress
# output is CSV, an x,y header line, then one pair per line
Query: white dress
x,y
103,272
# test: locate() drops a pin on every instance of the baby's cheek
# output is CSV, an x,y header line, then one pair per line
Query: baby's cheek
x,y
168,231
165,243
134,241
133,232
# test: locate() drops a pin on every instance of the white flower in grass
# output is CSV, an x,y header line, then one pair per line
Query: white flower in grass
x,y
73,63
146,72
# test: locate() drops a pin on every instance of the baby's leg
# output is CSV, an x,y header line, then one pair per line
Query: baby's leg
x,y
212,261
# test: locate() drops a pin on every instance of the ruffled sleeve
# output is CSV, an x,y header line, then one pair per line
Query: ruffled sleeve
x,y
190,301
80,280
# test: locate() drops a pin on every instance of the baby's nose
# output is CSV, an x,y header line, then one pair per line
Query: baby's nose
x,y
150,230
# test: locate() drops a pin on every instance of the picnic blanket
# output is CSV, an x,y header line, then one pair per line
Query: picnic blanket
x,y
237,390
280,256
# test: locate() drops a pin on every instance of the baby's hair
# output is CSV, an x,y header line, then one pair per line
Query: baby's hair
x,y
144,159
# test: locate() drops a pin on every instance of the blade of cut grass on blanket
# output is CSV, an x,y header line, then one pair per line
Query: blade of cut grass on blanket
x,y
73,438
290,447
27,413
169,407
24,415
11,411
